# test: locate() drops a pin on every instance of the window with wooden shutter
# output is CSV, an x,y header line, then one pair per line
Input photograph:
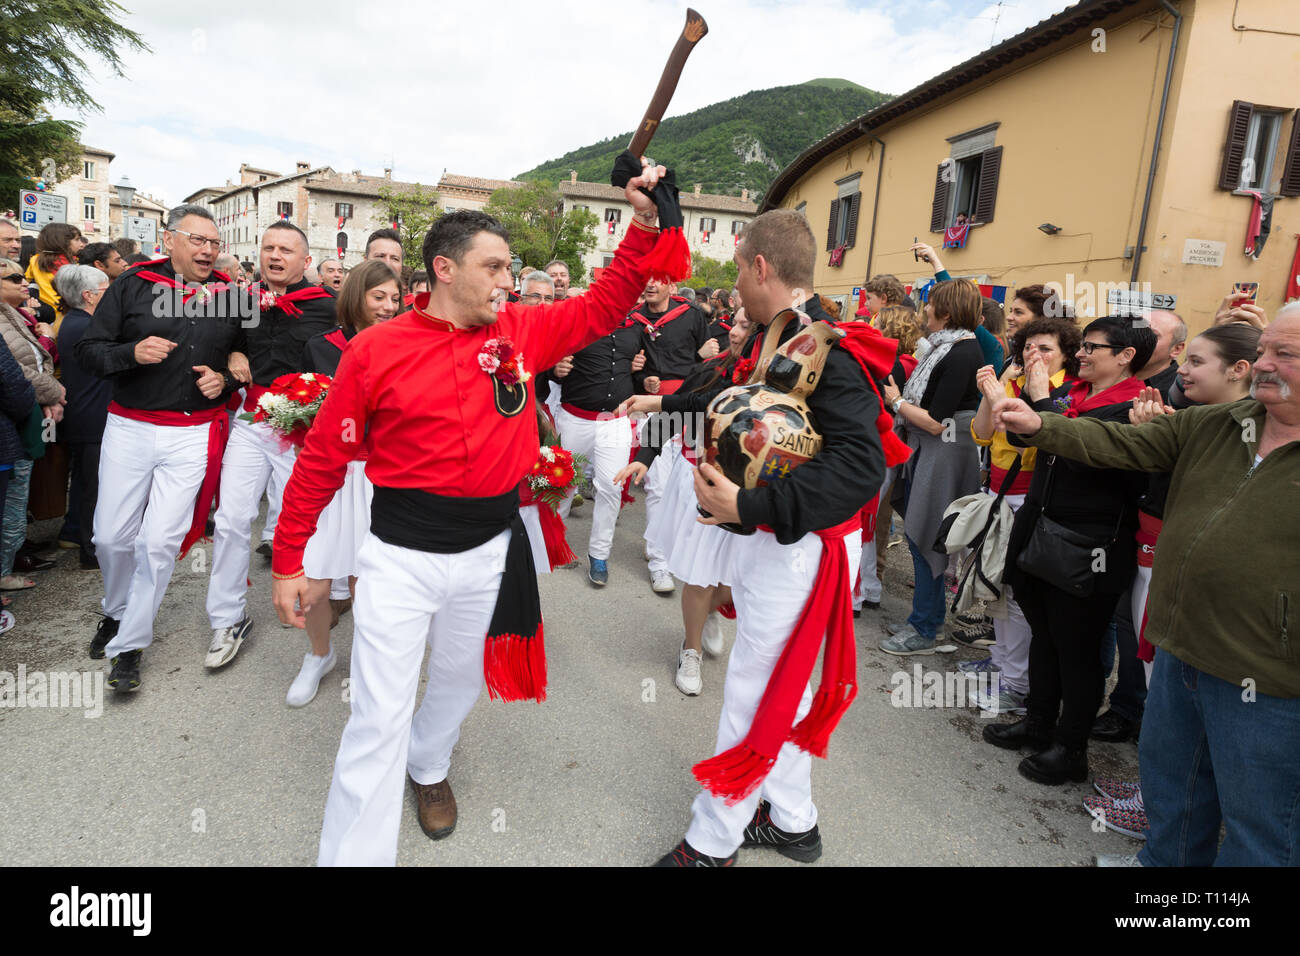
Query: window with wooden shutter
x,y
1234,149
1291,174
939,211
990,172
851,231
835,221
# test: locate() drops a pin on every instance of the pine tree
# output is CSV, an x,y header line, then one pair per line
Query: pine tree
x,y
41,67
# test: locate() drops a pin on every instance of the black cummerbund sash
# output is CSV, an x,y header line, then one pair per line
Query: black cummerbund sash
x,y
410,518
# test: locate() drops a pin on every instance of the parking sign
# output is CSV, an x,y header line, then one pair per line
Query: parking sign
x,y
41,209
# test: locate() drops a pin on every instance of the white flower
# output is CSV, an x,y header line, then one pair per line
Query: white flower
x,y
488,363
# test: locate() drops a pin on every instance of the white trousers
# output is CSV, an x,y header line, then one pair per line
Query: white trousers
x,y
870,587
274,498
656,480
606,444
1011,652
253,455
405,600
772,584
149,478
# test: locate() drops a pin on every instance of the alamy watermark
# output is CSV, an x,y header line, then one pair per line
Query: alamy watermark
x,y
83,690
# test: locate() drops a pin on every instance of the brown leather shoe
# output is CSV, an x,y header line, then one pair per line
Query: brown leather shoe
x,y
435,808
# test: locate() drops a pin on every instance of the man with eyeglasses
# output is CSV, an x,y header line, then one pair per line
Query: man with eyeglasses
x,y
162,335
593,384
291,311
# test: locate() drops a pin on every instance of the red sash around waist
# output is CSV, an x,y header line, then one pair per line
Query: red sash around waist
x,y
591,416
218,422
1148,531
668,386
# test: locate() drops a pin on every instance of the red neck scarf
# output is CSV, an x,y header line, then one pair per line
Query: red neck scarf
x,y
285,300
172,282
653,327
876,354
1124,391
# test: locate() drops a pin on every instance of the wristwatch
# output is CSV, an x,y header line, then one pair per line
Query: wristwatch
x,y
897,404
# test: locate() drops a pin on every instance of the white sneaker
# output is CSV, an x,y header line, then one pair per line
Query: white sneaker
x,y
303,689
711,637
226,642
688,672
661,582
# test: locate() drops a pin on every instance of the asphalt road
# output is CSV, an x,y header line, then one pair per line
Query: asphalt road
x,y
207,768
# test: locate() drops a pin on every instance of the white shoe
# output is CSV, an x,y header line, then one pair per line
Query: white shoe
x,y
226,642
711,637
688,672
303,689
661,582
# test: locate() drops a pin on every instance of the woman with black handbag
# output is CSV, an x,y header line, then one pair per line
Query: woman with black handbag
x,y
1070,557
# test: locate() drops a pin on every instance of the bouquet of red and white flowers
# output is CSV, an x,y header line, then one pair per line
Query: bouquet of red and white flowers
x,y
290,405
553,475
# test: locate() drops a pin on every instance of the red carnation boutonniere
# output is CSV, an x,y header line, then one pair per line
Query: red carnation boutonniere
x,y
744,368
500,360
266,299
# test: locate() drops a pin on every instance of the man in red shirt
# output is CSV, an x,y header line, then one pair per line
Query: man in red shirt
x,y
441,397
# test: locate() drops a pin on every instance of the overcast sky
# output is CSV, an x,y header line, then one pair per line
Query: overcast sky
x,y
477,88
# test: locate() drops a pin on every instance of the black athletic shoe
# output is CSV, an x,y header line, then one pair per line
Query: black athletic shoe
x,y
973,630
105,632
264,549
125,675
804,847
683,854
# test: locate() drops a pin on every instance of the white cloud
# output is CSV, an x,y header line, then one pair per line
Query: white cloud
x,y
488,90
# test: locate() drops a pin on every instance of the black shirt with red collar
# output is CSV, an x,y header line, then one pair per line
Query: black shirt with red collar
x,y
206,327
437,405
602,376
324,351
277,341
672,338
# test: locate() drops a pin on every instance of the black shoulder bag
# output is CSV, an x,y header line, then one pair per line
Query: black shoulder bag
x,y
1061,556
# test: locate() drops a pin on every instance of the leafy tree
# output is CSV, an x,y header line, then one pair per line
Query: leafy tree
x,y
540,229
414,208
40,67
711,273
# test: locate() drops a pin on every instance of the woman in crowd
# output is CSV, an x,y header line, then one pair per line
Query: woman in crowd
x,y
369,295
57,245
80,290
1075,536
699,555
994,352
1048,347
1035,302
38,368
1216,370
893,322
935,409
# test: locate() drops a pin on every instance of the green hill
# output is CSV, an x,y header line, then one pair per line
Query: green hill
x,y
741,143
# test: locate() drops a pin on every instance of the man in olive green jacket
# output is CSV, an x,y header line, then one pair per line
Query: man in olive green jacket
x,y
1221,734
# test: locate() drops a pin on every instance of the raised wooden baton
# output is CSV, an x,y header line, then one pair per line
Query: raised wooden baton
x,y
694,30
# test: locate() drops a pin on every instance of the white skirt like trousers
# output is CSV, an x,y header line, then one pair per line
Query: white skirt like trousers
x,y
342,527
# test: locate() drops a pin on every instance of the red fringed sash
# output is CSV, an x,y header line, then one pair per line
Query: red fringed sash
x,y
218,423
736,773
